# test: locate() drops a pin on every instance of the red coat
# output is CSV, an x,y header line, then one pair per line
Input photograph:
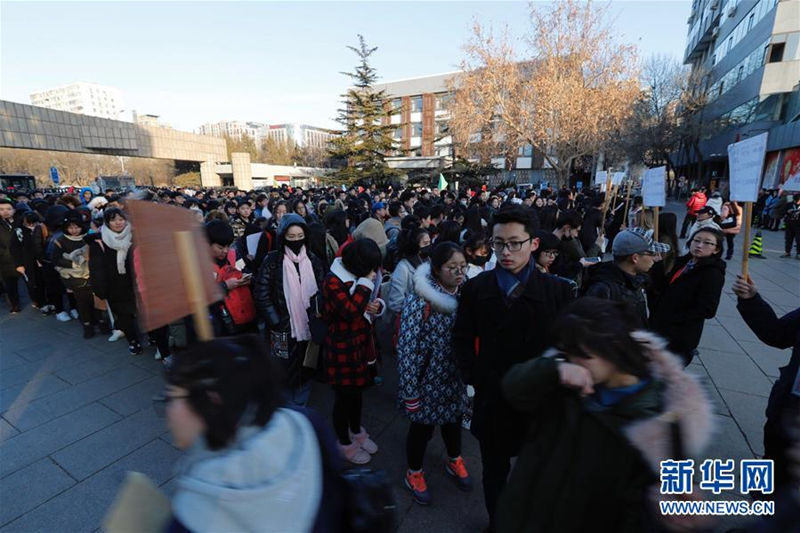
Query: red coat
x,y
349,344
695,203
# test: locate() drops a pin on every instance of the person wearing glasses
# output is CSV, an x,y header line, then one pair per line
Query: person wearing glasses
x,y
625,278
251,464
685,297
503,318
431,391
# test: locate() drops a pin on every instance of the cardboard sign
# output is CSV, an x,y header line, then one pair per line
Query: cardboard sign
x,y
617,178
746,161
654,187
161,287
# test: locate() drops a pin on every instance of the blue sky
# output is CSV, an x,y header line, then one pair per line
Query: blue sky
x,y
196,62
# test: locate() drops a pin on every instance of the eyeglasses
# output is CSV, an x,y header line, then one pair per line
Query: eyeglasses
x,y
551,253
160,402
457,269
513,246
704,243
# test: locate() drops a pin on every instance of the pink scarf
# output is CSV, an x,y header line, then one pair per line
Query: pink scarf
x,y
298,290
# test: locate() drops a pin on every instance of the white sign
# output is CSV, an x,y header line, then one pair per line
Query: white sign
x,y
746,161
600,178
654,187
616,179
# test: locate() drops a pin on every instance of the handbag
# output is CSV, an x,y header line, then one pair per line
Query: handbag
x,y
316,323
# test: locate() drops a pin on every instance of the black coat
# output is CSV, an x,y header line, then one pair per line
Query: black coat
x,y
681,308
592,223
8,240
489,337
610,282
270,303
106,281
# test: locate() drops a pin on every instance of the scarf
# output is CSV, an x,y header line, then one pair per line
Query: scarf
x,y
120,242
298,288
685,270
513,285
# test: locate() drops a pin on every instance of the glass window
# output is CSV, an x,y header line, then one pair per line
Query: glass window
x,y
416,129
442,101
398,133
397,103
416,104
441,127
776,54
750,21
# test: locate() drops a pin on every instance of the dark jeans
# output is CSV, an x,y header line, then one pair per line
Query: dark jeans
x,y
496,467
85,303
420,434
791,236
10,284
687,222
347,404
161,336
35,285
53,288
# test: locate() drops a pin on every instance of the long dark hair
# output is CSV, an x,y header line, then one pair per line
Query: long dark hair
x,y
335,221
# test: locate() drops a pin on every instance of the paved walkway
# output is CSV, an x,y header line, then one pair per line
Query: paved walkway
x,y
76,415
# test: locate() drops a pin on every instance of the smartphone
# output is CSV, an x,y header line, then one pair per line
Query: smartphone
x,y
593,259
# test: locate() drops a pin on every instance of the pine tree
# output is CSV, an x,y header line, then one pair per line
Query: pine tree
x,y
366,121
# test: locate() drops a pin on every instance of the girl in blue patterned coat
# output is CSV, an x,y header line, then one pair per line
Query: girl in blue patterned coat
x,y
431,390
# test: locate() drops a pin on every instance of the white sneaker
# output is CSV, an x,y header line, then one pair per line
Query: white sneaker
x,y
63,316
74,313
115,336
157,356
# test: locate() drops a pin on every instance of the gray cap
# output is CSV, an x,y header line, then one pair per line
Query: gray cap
x,y
637,241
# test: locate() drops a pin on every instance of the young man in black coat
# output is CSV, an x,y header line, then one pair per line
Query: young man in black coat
x,y
9,277
504,318
784,400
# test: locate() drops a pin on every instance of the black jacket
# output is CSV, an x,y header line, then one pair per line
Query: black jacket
x,y
106,281
489,337
8,236
680,308
31,249
592,223
610,282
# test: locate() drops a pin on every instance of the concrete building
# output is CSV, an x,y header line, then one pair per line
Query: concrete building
x,y
423,138
82,98
234,129
147,120
246,176
751,51
301,135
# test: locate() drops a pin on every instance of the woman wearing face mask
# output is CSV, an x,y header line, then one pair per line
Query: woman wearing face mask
x,y
685,297
476,252
287,280
431,391
414,247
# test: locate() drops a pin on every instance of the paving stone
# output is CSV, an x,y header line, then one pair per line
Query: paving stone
x,y
748,411
768,359
41,411
738,329
95,452
50,480
135,398
39,386
53,364
728,442
7,430
83,506
716,338
9,359
735,372
28,447
91,368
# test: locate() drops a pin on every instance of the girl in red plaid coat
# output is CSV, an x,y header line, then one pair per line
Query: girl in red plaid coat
x,y
349,348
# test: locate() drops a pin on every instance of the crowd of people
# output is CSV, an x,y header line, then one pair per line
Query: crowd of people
x,y
495,309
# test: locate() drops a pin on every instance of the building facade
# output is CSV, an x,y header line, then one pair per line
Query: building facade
x,y
82,98
422,131
235,129
750,50
301,135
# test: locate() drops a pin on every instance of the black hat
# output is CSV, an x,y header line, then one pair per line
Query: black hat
x,y
78,217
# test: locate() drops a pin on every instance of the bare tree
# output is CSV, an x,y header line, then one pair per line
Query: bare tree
x,y
565,90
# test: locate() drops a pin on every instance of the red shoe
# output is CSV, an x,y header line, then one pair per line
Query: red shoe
x,y
415,482
458,470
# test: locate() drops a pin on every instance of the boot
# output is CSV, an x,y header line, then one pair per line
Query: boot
x,y
354,453
88,331
363,440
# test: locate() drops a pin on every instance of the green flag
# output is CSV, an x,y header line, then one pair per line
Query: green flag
x,y
442,182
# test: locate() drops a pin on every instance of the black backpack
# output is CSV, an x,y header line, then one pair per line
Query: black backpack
x,y
358,500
